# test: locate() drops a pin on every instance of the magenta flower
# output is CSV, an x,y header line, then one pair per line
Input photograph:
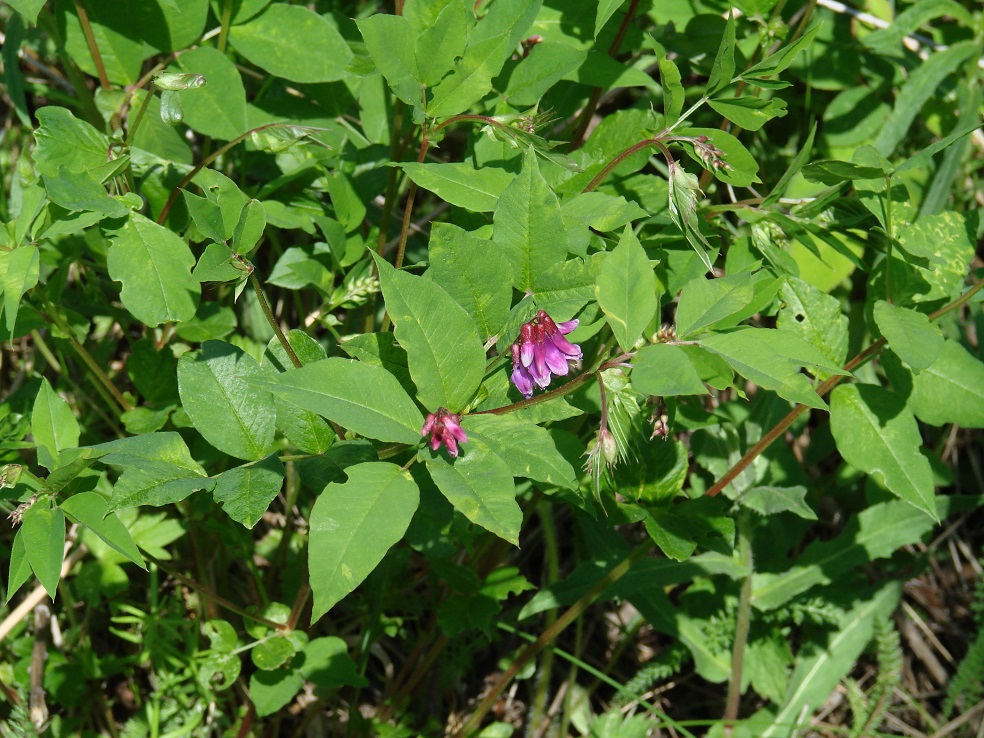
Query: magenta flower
x,y
542,351
445,429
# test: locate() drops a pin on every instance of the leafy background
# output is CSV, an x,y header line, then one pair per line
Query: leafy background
x,y
249,246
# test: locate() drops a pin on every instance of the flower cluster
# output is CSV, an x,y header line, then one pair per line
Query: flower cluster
x,y
541,351
445,430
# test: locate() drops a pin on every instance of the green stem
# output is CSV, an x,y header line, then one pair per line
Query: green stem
x,y
131,130
205,162
224,24
742,625
265,307
779,428
90,40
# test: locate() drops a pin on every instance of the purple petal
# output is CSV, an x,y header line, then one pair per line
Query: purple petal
x,y
555,360
539,370
454,428
523,381
428,424
435,442
568,326
526,353
571,350
451,444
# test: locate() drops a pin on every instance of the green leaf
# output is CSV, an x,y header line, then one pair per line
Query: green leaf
x,y
29,9
910,334
293,42
444,351
919,88
528,226
246,492
951,389
363,398
75,191
20,568
249,229
772,359
818,673
224,407
742,169
53,425
794,168
157,470
154,265
723,68
480,486
218,109
750,113
673,92
272,690
272,653
683,189
111,28
663,370
705,303
815,317
489,46
547,63
90,509
65,142
833,172
777,63
679,529
19,272
438,47
874,533
474,273
352,527
43,530
460,184
526,448
775,500
876,433
215,263
626,290
305,429
942,246
565,288
606,9
326,663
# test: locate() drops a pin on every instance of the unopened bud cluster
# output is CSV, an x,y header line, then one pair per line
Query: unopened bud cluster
x,y
711,156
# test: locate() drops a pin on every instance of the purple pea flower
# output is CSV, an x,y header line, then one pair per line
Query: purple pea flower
x,y
542,351
445,430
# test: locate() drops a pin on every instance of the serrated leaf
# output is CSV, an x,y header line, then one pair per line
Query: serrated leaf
x,y
229,412
154,265
527,449
444,351
876,433
352,527
90,509
626,290
663,370
246,492
363,398
910,334
528,227
43,530
480,486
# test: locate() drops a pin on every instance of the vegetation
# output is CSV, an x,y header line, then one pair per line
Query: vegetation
x,y
510,367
